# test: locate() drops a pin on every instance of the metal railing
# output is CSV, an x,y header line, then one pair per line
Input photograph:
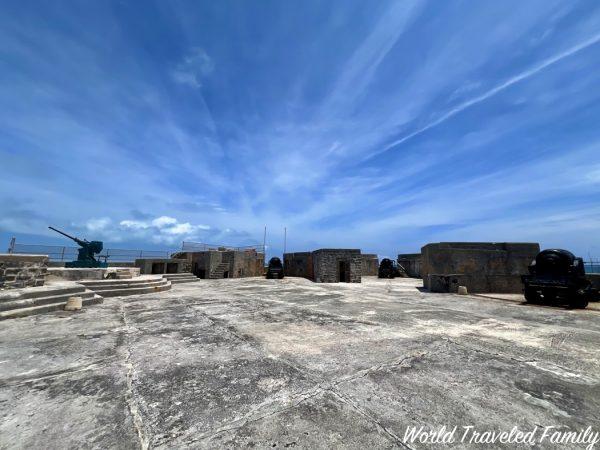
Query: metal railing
x,y
60,253
187,246
592,266
63,253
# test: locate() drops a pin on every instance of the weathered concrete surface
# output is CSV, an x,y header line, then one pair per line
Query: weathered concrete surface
x,y
289,363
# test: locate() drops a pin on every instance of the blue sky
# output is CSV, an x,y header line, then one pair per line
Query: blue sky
x,y
377,125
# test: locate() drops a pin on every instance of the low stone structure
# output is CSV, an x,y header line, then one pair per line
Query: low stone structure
x,y
298,264
370,265
89,273
19,271
336,265
411,263
159,266
327,265
480,266
225,263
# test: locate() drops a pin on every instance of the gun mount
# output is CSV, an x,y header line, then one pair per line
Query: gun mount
x,y
275,269
388,269
86,252
557,276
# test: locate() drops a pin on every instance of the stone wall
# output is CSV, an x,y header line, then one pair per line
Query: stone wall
x,y
19,271
241,264
298,264
485,266
157,266
87,273
327,265
411,262
370,265
247,263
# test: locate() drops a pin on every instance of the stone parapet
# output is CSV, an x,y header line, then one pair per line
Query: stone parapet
x,y
486,266
370,265
19,271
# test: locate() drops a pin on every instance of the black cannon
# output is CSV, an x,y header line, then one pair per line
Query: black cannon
x,y
388,269
86,252
557,277
275,269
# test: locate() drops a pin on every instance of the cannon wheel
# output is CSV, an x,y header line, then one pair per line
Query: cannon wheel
x,y
578,300
531,296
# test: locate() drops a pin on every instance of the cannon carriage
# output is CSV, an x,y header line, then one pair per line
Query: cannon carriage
x,y
388,269
275,269
557,276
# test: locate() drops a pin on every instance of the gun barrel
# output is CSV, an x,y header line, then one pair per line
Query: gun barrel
x,y
65,234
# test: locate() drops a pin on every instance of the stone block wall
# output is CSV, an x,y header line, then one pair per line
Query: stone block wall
x,y
247,263
241,264
370,265
19,271
447,283
298,264
327,267
411,262
487,266
149,266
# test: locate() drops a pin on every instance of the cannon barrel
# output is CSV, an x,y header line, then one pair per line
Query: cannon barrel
x,y
79,241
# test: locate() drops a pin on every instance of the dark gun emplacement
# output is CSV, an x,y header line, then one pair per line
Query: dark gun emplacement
x,y
557,276
86,253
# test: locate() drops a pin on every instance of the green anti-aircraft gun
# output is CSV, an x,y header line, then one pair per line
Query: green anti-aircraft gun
x,y
85,256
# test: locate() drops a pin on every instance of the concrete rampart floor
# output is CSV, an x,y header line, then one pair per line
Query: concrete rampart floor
x,y
292,364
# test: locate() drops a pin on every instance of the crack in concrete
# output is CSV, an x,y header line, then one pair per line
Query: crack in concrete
x,y
478,350
370,418
322,386
130,396
25,379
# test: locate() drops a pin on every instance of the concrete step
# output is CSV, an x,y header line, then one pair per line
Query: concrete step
x,y
40,309
50,299
96,285
41,291
123,274
178,275
136,290
219,271
184,280
178,278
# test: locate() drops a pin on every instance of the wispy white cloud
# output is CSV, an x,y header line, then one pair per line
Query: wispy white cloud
x,y
193,68
490,93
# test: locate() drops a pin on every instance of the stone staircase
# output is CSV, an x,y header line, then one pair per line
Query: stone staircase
x,y
179,278
145,284
123,274
37,300
219,271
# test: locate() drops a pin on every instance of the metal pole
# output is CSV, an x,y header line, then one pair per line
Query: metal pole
x,y
284,239
62,255
265,243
